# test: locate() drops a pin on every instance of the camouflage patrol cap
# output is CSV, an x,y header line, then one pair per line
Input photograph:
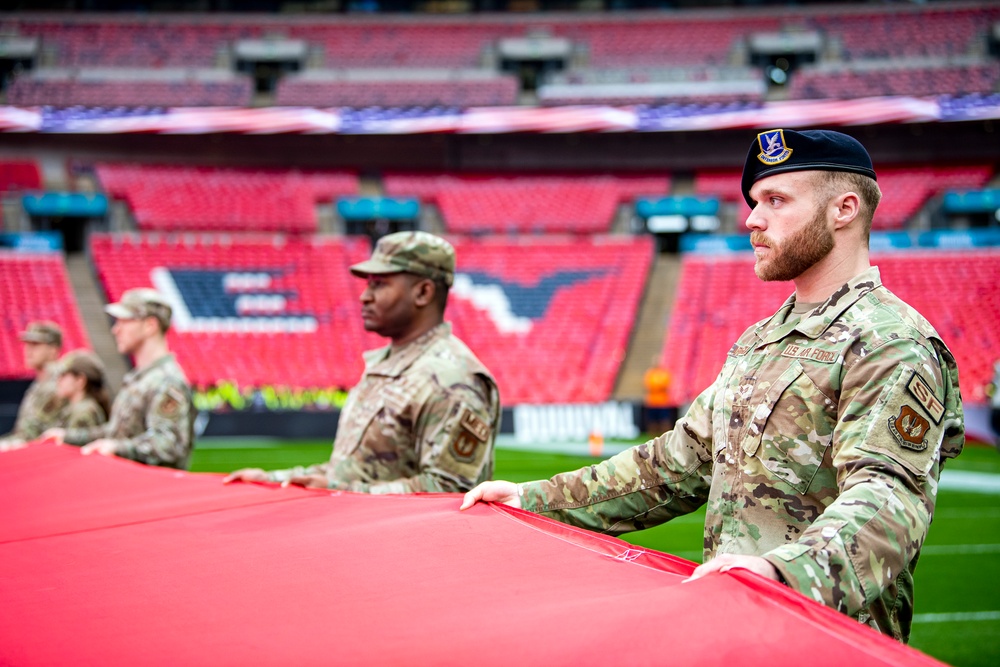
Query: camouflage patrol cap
x,y
45,332
139,303
780,151
410,252
85,363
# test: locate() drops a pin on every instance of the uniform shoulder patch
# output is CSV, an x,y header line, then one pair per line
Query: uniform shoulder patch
x,y
925,396
475,425
170,404
473,432
909,429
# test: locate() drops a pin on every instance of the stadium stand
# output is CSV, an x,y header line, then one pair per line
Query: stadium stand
x,y
115,42
131,87
360,88
259,310
551,317
17,175
905,190
34,287
543,203
954,290
178,198
859,53
851,81
638,85
935,30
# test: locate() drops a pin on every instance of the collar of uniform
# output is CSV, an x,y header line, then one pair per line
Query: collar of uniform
x,y
137,373
815,322
381,362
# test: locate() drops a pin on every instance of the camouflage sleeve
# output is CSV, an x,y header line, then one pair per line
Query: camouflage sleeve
x,y
454,434
900,415
642,487
81,436
82,415
39,411
167,438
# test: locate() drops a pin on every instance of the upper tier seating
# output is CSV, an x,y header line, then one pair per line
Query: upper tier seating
x,y
107,89
905,190
607,41
851,83
175,198
610,40
358,89
551,318
936,30
492,203
34,287
719,297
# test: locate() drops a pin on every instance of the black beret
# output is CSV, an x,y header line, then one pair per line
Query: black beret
x,y
780,151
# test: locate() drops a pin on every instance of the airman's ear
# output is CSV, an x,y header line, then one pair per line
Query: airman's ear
x,y
424,291
848,207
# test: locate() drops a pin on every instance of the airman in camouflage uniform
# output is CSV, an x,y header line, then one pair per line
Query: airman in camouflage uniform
x,y
152,417
424,415
82,382
40,407
818,448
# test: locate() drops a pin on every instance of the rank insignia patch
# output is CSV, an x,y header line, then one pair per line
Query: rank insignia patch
x,y
909,429
772,147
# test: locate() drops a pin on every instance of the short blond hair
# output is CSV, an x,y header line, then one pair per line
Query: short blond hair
x,y
838,182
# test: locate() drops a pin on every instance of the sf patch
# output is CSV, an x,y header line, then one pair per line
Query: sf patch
x,y
474,431
922,392
909,429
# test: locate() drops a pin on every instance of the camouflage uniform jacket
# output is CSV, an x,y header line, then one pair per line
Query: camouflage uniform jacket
x,y
84,413
818,447
39,408
422,418
152,418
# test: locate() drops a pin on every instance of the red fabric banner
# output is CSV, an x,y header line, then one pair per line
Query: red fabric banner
x,y
108,562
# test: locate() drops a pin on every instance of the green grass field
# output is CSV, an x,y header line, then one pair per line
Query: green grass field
x,y
957,583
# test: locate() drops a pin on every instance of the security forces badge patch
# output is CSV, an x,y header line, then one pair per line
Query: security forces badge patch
x,y
773,149
909,429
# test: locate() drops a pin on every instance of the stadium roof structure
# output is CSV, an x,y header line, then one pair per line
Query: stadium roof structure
x,y
498,120
112,562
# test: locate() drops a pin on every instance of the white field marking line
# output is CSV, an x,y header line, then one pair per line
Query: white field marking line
x,y
957,617
959,549
968,480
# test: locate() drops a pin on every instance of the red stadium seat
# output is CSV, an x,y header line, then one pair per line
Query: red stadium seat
x,y
171,198
35,287
719,297
492,203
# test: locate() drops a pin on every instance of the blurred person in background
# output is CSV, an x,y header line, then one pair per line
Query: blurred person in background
x,y
818,448
83,384
425,413
40,407
152,417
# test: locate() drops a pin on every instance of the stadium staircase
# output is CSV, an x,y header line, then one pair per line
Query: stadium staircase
x,y
90,301
651,325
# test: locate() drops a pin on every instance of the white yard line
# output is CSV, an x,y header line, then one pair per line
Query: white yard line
x,y
957,617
